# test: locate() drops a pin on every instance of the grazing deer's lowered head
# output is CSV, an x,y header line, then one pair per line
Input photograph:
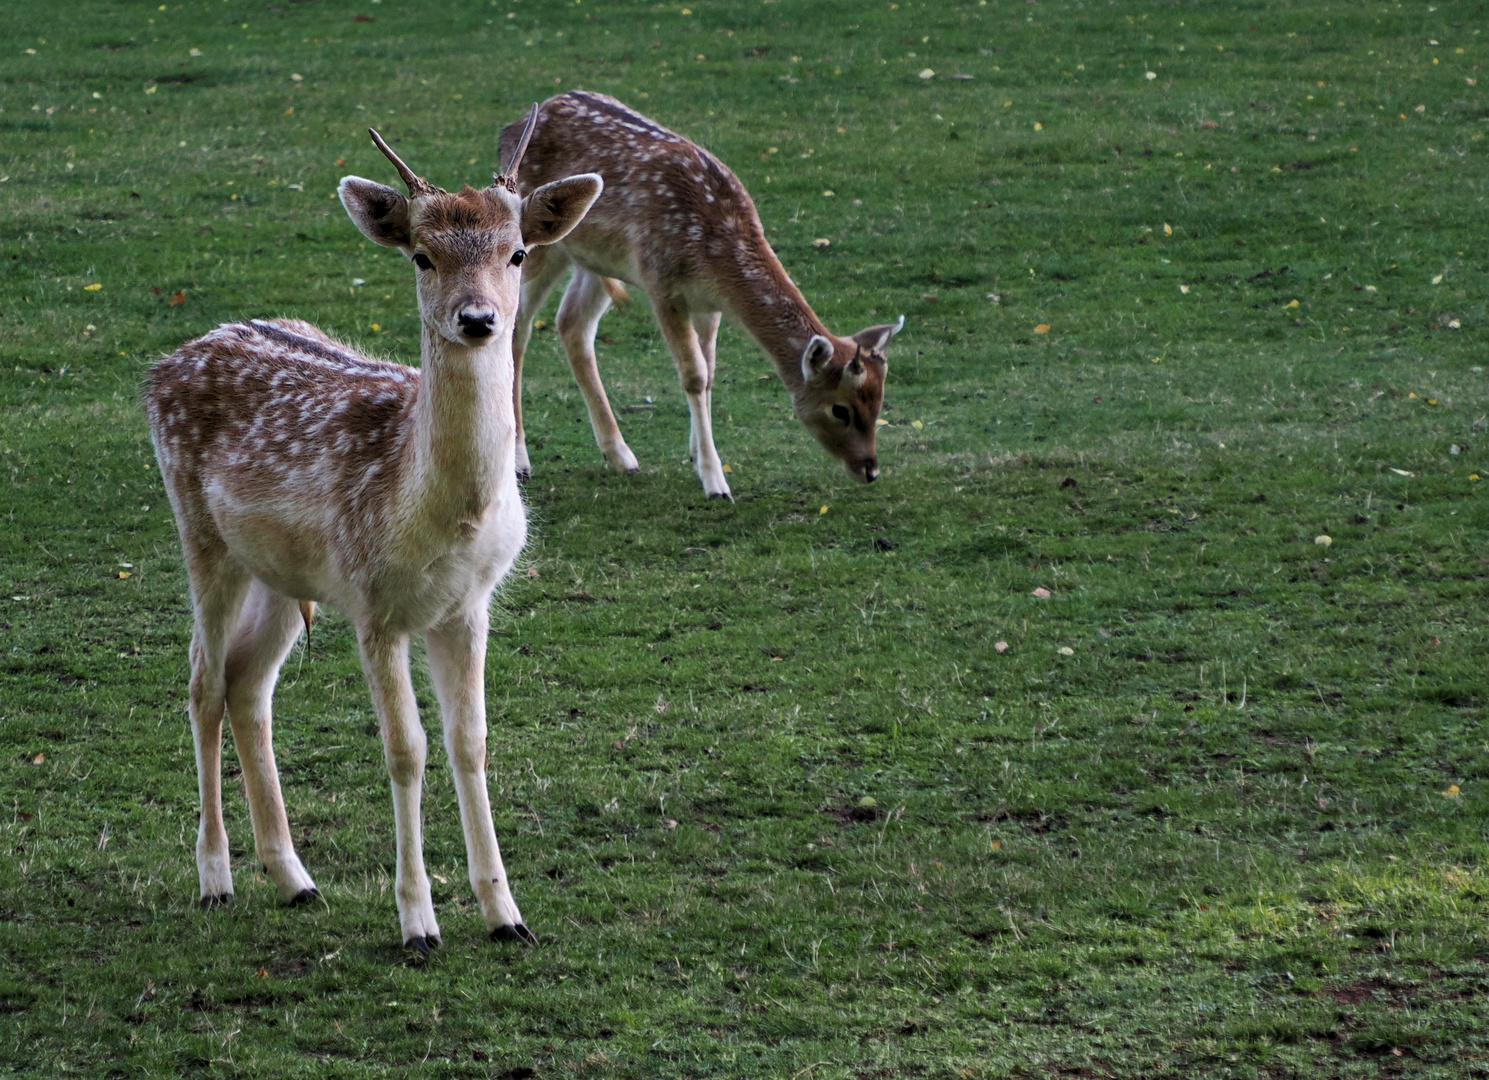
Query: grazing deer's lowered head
x,y
841,392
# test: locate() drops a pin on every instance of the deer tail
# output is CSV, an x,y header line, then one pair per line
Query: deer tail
x,y
307,612
616,290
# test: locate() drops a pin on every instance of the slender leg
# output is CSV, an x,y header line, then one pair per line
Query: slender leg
x,y
217,587
385,663
706,326
540,273
267,630
457,664
579,312
695,371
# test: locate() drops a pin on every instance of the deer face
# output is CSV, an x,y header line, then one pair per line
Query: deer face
x,y
468,247
842,393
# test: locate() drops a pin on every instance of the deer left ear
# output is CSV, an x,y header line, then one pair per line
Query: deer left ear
x,y
380,212
876,338
816,357
549,213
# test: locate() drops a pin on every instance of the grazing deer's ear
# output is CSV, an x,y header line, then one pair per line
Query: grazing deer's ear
x,y
380,212
550,212
816,357
875,338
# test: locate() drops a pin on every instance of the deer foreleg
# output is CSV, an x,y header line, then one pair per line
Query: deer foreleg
x,y
385,663
695,370
585,302
267,631
457,665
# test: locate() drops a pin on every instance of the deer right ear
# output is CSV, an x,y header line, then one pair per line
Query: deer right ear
x,y
815,357
380,212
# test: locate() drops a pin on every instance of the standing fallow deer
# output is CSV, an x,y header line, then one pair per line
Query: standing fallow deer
x,y
301,472
676,223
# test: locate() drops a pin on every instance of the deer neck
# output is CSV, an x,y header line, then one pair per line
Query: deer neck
x,y
767,305
462,433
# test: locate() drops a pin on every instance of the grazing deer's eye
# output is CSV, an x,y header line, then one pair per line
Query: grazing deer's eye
x,y
841,412
423,261
517,257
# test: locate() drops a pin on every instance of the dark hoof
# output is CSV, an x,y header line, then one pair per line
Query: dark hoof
x,y
209,902
514,933
633,472
305,896
421,945
524,475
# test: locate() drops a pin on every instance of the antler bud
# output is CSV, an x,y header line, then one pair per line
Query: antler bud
x,y
508,176
417,185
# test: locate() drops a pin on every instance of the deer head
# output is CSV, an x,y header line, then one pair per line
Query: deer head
x,y
841,394
468,245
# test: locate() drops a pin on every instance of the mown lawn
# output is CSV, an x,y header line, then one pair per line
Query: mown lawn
x,y
1188,288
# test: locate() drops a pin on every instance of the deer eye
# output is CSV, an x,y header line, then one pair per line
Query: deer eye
x,y
517,257
841,412
423,261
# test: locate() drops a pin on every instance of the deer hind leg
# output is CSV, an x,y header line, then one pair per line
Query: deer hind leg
x,y
385,663
217,589
457,665
266,632
540,273
579,312
695,369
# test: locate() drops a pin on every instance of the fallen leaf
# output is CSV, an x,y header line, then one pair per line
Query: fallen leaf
x,y
1437,279
376,327
1042,328
997,845
38,759
917,425
821,243
92,288
927,73
868,801
1066,650
728,469
822,511
1323,541
670,823
1473,476
1001,647
1293,304
1184,289
1150,75
1041,592
178,297
261,973
124,574
1038,126
532,571
1168,230
1452,791
1402,472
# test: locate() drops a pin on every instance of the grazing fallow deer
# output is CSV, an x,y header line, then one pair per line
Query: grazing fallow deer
x,y
678,224
301,471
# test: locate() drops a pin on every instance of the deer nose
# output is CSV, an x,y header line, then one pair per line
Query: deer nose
x,y
870,470
477,322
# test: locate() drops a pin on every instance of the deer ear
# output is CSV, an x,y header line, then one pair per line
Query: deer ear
x,y
816,357
380,212
876,338
550,212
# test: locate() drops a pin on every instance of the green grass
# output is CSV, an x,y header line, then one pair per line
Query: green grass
x,y
1217,837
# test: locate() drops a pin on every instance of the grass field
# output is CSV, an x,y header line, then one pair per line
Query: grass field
x,y
773,794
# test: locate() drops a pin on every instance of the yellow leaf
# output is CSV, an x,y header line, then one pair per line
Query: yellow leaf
x,y
728,469
997,845
1168,230
917,425
376,327
1473,476
1042,328
1323,540
1452,791
1437,279
124,574
1411,395
822,511
92,288
1293,304
1432,401
1038,126
1184,289
38,759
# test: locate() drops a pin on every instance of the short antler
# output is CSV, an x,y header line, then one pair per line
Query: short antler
x,y
417,185
508,176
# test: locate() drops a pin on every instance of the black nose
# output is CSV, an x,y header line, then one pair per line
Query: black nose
x,y
477,324
870,470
